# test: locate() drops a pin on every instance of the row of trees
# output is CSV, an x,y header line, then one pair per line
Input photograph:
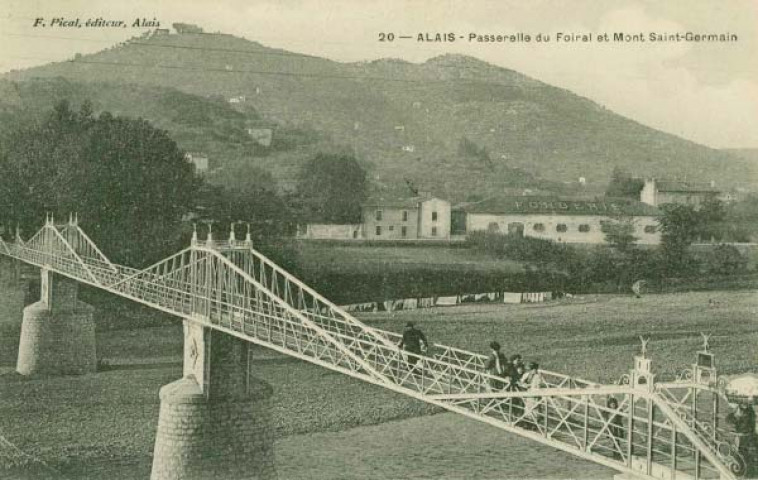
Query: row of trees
x,y
131,186
127,179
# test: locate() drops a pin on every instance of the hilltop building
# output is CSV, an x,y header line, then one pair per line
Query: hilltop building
x,y
732,196
186,28
659,192
199,160
261,136
562,220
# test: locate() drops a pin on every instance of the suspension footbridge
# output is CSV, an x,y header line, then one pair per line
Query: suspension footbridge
x,y
665,430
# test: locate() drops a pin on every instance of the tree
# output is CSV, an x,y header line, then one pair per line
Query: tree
x,y
127,180
619,233
244,194
679,228
712,214
623,185
741,222
331,189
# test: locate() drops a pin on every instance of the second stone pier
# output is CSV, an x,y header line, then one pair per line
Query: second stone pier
x,y
215,422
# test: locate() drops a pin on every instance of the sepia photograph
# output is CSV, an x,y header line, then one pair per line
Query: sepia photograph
x,y
378,239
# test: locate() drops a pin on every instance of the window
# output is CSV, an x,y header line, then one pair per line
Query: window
x,y
539,227
403,232
434,216
391,228
378,215
434,231
561,227
378,230
584,228
405,215
650,228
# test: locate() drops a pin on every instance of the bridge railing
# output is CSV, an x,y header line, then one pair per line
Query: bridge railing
x,y
680,396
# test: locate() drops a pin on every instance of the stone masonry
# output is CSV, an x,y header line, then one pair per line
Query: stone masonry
x,y
58,332
220,428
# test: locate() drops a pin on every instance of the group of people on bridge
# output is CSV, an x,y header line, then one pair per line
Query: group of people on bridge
x,y
514,375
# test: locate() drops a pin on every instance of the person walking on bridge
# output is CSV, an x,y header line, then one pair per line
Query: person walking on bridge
x,y
531,381
497,365
615,427
414,343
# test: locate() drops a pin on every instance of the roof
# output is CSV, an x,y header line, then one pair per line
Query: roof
x,y
560,206
669,186
397,202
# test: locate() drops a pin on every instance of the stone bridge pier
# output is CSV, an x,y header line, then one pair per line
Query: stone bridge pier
x,y
57,332
216,421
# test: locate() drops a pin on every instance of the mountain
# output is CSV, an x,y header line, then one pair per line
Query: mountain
x,y
750,154
453,125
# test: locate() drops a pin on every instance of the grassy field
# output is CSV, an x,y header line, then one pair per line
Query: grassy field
x,y
360,258
104,424
370,273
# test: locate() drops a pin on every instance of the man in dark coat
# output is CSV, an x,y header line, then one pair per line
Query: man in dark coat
x,y
414,343
497,365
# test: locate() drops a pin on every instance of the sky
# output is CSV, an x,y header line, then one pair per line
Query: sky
x,y
704,92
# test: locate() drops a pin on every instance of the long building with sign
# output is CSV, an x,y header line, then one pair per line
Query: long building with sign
x,y
559,219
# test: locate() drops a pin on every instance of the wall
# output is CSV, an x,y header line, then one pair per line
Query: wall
x,y
426,222
332,231
550,223
391,224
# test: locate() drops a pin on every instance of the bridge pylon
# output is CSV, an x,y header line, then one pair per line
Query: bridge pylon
x,y
57,332
216,421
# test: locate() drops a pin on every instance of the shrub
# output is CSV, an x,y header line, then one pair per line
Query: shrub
x,y
725,260
525,249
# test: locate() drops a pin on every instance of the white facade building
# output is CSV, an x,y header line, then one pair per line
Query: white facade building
x,y
559,219
414,218
330,231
